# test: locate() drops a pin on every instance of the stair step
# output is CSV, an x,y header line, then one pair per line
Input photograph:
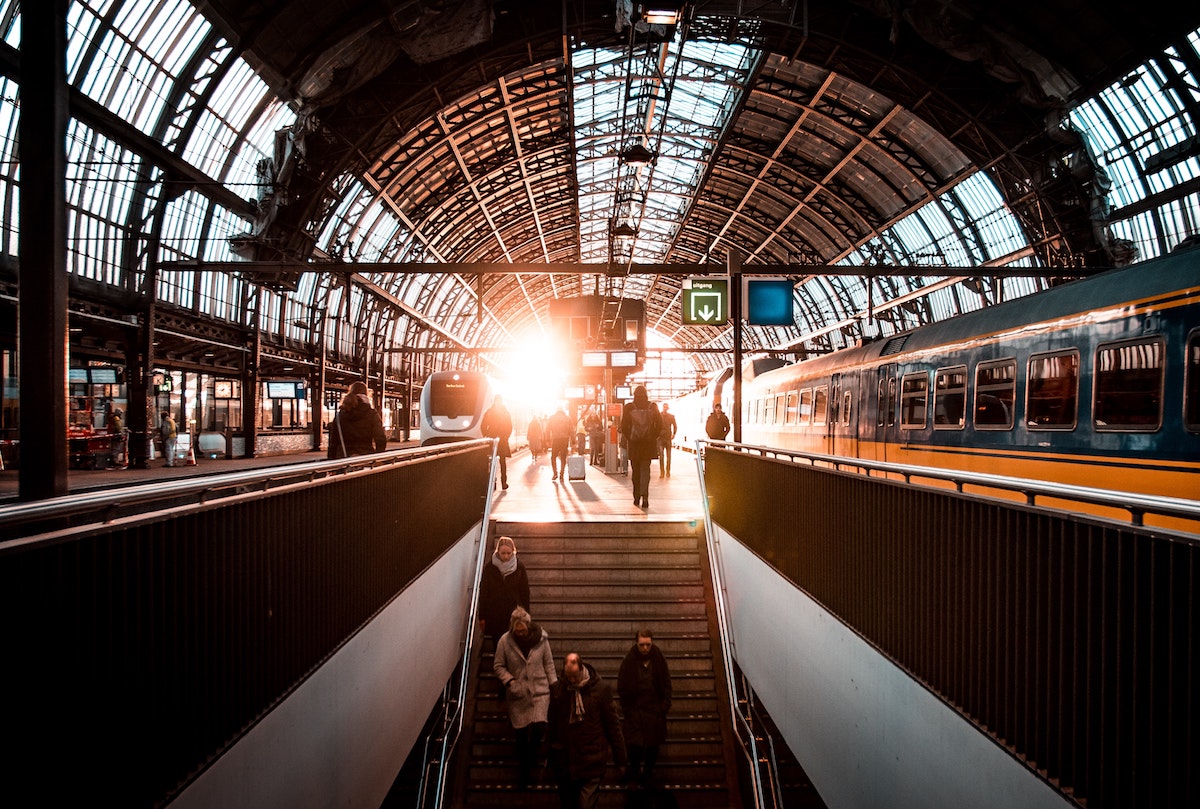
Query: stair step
x,y
661,574
623,627
542,593
549,532
612,555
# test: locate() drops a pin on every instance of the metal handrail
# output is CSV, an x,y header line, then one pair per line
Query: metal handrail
x,y
772,768
749,747
452,724
1137,505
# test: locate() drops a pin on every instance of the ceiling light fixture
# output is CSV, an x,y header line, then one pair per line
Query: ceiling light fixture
x,y
624,230
657,15
637,155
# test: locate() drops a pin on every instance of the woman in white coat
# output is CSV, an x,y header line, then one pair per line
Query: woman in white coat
x,y
525,666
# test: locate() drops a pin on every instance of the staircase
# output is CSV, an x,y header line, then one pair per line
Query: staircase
x,y
592,586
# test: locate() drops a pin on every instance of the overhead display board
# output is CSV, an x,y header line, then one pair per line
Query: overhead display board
x,y
705,301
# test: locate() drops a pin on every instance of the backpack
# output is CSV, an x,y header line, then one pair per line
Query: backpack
x,y
641,425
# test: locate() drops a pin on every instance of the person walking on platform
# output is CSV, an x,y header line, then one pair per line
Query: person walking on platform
x,y
534,434
644,688
641,424
524,665
497,423
580,435
595,431
503,587
357,429
717,425
583,729
120,443
665,441
560,431
170,437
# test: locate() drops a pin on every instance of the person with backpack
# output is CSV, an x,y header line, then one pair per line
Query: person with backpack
x,y
641,425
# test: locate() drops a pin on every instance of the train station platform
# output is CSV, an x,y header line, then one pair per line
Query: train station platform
x,y
601,497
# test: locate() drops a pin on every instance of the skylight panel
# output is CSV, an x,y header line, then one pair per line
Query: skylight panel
x,y
676,122
984,208
139,59
218,131
1137,126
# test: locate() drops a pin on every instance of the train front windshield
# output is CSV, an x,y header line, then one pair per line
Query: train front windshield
x,y
453,398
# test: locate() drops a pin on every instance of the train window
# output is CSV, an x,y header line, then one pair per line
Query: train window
x,y
1052,392
806,406
1129,386
847,399
1191,394
793,401
950,398
995,390
820,405
779,408
914,396
769,410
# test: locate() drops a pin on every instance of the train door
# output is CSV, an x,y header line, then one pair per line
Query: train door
x,y
833,424
886,394
844,421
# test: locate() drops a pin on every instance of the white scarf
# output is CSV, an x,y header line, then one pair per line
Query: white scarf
x,y
505,568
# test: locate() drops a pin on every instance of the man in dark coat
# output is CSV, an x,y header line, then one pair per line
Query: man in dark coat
x,y
357,428
717,425
644,687
560,430
666,440
583,729
497,423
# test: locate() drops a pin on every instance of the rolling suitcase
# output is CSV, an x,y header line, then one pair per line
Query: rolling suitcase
x,y
576,467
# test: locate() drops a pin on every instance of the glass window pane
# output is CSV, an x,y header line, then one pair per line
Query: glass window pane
x,y
1052,391
913,398
1129,386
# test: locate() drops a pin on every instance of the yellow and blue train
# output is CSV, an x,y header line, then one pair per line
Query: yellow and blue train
x,y
1093,383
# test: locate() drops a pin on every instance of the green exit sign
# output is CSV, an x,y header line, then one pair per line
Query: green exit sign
x,y
705,301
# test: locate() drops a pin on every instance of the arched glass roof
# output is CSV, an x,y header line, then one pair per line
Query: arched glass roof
x,y
186,149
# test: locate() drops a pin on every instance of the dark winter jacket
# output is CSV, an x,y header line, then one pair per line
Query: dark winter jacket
x,y
580,750
717,425
644,686
499,595
497,423
361,429
643,444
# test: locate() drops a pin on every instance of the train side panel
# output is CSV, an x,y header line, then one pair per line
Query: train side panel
x,y
1097,388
